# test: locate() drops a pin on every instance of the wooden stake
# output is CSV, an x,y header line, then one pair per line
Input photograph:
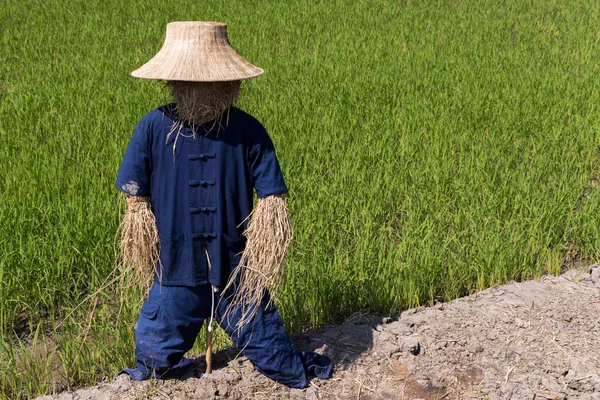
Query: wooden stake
x,y
208,347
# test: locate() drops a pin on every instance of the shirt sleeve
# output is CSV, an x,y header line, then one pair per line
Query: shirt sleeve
x,y
134,174
264,166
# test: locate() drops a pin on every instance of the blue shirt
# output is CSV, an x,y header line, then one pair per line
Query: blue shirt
x,y
202,193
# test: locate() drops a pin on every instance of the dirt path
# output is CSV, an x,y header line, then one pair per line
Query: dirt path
x,y
531,340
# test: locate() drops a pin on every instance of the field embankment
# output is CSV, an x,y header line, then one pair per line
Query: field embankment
x,y
529,340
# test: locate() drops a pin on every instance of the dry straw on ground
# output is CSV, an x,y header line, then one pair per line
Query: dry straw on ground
x,y
262,263
139,242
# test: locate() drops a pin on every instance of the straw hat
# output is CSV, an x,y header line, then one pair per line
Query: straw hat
x,y
197,52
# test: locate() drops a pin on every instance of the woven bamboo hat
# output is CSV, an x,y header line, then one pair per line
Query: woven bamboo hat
x,y
197,52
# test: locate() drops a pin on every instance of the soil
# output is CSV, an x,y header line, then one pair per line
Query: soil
x,y
529,340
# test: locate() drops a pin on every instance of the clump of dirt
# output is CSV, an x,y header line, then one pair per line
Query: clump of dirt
x,y
530,340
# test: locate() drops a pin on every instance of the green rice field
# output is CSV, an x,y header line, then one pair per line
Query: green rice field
x,y
432,149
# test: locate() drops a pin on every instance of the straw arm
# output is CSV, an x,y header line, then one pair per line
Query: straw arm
x,y
139,241
261,266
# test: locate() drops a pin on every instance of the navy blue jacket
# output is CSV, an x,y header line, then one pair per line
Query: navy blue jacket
x,y
202,193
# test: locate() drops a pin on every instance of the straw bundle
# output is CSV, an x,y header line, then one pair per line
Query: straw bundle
x,y
139,242
200,102
261,266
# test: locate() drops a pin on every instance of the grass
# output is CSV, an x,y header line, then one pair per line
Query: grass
x,y
432,149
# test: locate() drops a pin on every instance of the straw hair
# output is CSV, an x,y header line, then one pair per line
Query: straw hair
x,y
200,102
139,242
199,52
261,266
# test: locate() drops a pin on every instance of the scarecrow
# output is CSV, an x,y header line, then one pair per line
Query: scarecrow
x,y
190,229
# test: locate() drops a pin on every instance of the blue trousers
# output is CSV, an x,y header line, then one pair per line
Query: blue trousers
x,y
172,316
